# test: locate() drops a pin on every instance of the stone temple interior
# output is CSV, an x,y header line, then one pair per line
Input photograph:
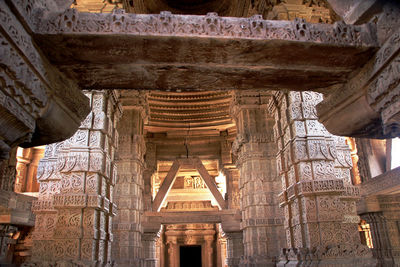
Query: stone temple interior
x,y
210,133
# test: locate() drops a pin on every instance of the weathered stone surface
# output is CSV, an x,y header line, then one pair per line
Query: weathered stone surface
x,y
367,106
139,51
383,216
127,227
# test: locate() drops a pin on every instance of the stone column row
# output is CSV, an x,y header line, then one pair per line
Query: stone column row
x,y
74,209
317,196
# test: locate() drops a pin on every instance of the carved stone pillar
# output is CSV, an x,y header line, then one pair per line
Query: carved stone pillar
x,y
234,248
7,243
232,187
149,241
384,225
127,227
172,251
318,198
151,167
74,208
262,220
209,250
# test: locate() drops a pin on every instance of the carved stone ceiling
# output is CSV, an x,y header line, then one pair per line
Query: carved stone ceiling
x,y
189,110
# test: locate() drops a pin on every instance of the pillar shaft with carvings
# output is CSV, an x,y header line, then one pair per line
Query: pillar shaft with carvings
x,y
129,188
74,210
234,248
318,198
149,241
259,185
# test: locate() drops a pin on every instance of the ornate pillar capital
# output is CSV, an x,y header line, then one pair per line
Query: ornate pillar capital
x,y
136,100
250,99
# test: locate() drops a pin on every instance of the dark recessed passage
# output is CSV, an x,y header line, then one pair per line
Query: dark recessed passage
x,y
190,256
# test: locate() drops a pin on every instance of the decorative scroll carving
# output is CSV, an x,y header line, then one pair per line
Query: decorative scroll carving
x,y
211,25
194,182
128,195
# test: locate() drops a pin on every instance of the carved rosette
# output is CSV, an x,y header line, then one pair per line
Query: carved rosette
x,y
317,195
75,206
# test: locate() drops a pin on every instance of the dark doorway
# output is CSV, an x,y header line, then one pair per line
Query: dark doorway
x,y
190,256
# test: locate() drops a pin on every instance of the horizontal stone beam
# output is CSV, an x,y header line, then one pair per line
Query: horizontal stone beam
x,y
386,183
191,217
166,24
165,51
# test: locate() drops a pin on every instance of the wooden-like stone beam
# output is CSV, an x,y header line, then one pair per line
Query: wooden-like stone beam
x,y
166,186
171,52
221,216
386,183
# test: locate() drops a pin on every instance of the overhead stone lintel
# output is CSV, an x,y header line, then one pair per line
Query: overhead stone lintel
x,y
152,218
171,52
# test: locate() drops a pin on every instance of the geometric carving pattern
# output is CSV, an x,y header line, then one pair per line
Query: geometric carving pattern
x,y
262,220
74,209
317,197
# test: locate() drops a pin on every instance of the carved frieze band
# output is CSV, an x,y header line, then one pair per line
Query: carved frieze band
x,y
211,25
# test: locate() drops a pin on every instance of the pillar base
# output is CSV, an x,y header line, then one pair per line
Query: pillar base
x,y
334,255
